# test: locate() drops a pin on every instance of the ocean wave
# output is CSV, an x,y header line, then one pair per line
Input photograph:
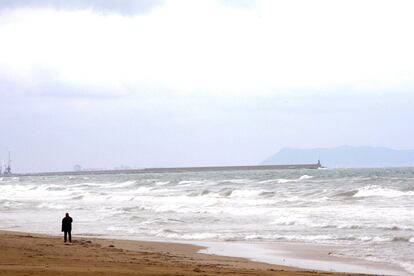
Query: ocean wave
x,y
51,205
135,218
197,193
302,222
287,180
380,239
303,177
378,191
189,182
246,193
122,229
133,209
283,180
240,181
55,188
6,204
207,193
77,197
396,227
277,180
346,194
89,185
349,226
172,234
307,238
379,227
226,192
125,184
268,181
143,190
286,221
401,239
175,234
161,183
267,194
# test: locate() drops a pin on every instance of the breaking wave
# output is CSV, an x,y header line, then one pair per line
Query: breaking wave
x,y
377,191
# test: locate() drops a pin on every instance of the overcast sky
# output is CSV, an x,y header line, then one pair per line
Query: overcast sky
x,y
190,83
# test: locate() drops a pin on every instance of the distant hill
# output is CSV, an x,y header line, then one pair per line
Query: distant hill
x,y
344,157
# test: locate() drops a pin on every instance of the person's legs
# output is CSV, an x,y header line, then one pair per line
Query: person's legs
x,y
70,236
65,235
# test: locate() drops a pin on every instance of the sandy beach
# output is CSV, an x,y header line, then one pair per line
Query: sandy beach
x,y
32,254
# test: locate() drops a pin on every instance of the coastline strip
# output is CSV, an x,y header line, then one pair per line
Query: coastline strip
x,y
33,254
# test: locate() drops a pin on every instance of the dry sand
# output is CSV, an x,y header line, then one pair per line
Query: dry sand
x,y
30,254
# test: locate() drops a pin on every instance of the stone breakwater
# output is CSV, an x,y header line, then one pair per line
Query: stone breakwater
x,y
179,170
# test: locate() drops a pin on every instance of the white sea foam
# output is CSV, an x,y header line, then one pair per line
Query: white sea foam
x,y
286,180
285,221
268,181
161,183
349,226
283,180
375,190
239,181
246,193
125,184
187,182
49,205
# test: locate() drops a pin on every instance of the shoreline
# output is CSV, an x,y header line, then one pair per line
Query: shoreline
x,y
107,256
300,255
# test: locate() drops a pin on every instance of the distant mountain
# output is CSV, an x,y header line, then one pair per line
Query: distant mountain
x,y
344,157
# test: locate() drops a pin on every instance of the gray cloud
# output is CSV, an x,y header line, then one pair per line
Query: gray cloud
x,y
125,7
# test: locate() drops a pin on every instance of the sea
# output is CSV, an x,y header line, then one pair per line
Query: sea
x,y
364,213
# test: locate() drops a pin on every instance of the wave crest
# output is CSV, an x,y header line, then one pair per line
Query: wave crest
x,y
378,191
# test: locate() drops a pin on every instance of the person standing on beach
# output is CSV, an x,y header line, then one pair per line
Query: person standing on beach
x,y
67,227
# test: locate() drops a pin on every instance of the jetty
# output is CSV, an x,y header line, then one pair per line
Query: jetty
x,y
179,170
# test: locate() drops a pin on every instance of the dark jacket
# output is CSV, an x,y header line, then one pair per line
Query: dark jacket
x,y
67,224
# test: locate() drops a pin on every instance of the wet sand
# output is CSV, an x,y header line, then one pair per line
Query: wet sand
x,y
32,254
302,255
